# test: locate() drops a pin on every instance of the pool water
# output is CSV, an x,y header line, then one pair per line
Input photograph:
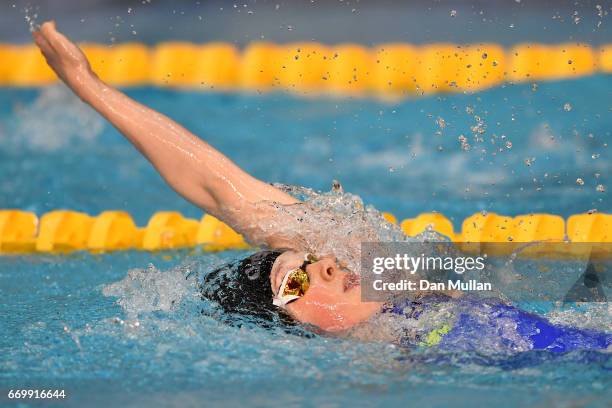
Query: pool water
x,y
130,328
82,324
534,142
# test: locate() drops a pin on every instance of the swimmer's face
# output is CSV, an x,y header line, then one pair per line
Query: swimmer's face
x,y
333,299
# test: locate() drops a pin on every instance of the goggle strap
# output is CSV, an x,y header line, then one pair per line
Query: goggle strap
x,y
280,302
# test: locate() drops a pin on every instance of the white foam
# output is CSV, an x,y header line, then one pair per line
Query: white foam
x,y
592,315
325,223
56,119
148,290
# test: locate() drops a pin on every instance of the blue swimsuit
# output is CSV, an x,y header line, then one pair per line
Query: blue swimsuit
x,y
475,322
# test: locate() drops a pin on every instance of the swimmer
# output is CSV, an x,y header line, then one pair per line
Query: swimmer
x,y
289,280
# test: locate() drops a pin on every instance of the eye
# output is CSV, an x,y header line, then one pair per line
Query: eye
x,y
297,283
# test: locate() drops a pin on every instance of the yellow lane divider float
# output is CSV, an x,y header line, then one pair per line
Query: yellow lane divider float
x,y
392,70
64,231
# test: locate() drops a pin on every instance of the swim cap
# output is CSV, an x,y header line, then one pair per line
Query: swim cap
x,y
243,287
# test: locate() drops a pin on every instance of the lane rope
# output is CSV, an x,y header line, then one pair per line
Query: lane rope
x,y
387,70
64,231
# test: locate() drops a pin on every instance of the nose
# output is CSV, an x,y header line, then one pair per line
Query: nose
x,y
326,268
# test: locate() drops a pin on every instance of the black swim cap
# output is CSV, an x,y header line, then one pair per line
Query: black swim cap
x,y
243,287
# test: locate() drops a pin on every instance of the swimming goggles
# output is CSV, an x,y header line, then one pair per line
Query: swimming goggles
x,y
294,284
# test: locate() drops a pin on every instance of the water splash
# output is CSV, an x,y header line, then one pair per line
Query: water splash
x,y
31,17
149,290
324,223
591,315
56,119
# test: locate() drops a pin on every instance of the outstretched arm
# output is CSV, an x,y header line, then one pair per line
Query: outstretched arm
x,y
192,167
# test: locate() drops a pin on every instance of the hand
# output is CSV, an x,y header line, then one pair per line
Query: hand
x,y
62,55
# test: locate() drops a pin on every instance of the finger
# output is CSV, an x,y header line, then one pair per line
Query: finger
x,y
49,32
57,40
45,48
42,42
46,28
40,26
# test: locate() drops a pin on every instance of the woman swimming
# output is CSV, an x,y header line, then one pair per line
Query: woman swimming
x,y
305,275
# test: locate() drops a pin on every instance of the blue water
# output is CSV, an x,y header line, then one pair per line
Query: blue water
x,y
56,154
60,331
110,338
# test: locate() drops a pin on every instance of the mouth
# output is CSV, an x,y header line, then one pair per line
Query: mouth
x,y
351,280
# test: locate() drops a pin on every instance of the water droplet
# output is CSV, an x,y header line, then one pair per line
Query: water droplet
x,y
464,144
336,186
